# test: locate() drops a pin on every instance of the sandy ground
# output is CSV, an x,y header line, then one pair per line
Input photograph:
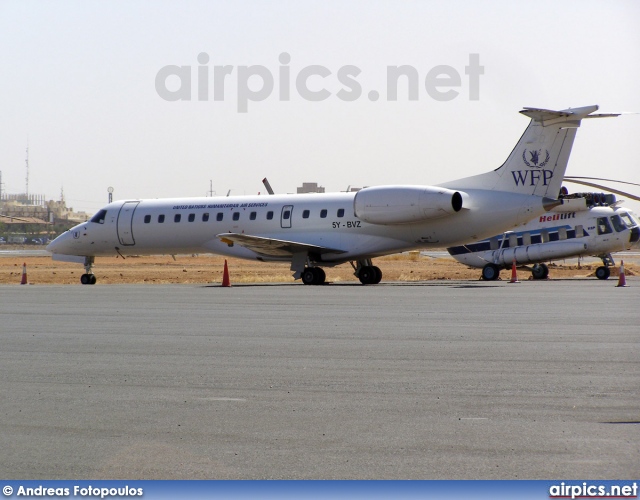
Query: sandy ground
x,y
209,269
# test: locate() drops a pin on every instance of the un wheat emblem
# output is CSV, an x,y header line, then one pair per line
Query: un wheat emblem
x,y
534,160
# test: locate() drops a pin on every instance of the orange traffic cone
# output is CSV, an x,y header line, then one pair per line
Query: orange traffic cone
x,y
24,274
622,281
225,275
514,274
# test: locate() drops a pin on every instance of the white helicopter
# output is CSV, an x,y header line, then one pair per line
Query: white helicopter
x,y
586,224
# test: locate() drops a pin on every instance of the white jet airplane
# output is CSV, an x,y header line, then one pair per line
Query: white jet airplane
x,y
312,231
584,225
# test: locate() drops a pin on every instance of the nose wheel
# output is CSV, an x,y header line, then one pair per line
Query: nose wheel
x,y
88,278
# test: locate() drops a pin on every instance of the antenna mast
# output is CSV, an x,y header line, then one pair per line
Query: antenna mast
x,y
27,165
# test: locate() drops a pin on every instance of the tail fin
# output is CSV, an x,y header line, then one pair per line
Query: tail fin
x,y
537,164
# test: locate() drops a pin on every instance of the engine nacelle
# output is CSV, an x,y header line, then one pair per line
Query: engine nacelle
x,y
406,204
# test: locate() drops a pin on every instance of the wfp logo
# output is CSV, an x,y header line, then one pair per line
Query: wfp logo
x,y
533,177
534,158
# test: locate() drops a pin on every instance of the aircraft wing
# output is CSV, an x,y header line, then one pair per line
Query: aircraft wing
x,y
272,247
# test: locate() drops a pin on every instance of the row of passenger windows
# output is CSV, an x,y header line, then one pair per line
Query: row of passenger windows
x,y
620,223
236,216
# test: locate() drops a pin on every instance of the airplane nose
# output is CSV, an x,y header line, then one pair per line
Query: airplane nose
x,y
59,244
51,247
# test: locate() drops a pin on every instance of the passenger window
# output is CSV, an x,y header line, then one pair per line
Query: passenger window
x,y
494,243
579,231
236,216
147,219
562,233
219,216
513,240
252,216
99,217
269,215
618,223
526,239
205,217
192,217
603,226
323,213
286,214
341,212
305,214
177,218
544,235
160,218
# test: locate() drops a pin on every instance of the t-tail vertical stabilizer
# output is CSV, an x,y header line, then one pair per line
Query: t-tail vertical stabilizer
x,y
537,164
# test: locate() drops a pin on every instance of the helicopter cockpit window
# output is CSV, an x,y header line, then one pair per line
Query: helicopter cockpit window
x,y
618,223
628,220
603,226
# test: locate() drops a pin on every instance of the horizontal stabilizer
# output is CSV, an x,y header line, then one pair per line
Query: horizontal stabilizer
x,y
550,117
273,247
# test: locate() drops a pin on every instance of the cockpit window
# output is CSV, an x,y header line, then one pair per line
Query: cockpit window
x,y
603,226
628,220
618,224
99,217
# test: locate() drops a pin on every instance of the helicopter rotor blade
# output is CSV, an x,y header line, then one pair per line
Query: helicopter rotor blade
x,y
600,179
605,188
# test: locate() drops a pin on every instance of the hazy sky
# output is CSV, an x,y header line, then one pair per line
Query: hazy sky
x,y
78,82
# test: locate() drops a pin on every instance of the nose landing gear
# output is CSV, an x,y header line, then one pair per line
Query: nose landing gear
x,y
88,278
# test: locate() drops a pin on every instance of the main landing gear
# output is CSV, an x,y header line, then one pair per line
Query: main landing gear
x,y
490,272
540,272
313,276
604,271
367,273
88,278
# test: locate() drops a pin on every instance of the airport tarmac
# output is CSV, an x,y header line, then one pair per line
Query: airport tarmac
x,y
427,380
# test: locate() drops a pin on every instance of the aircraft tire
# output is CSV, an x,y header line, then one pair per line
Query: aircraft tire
x,y
540,272
313,276
309,276
603,273
490,272
378,275
367,275
88,279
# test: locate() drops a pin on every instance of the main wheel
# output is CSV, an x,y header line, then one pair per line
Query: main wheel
x,y
313,276
490,272
309,276
378,274
603,273
540,272
367,275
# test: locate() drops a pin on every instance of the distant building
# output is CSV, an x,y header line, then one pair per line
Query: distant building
x,y
35,206
310,187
